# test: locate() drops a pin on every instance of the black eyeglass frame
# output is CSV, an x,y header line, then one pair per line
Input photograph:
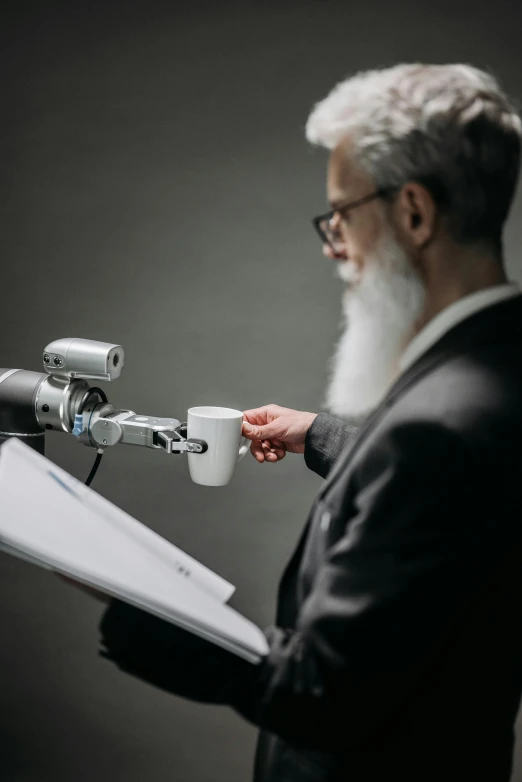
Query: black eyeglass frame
x,y
316,221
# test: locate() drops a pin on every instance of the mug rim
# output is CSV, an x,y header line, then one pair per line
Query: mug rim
x,y
235,413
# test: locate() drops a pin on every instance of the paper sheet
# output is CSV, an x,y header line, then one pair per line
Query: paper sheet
x,y
53,520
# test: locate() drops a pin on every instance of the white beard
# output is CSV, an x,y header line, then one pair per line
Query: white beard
x,y
380,309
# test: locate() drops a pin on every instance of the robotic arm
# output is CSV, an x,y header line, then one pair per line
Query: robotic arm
x,y
62,400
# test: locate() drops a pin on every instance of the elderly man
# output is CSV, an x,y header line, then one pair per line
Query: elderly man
x,y
397,646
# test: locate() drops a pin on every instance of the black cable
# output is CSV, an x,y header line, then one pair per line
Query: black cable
x,y
81,408
89,393
94,468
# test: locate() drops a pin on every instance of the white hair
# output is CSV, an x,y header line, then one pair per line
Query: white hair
x,y
449,127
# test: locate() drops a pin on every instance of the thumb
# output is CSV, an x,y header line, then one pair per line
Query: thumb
x,y
254,432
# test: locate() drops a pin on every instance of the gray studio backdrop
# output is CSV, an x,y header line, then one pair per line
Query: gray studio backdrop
x,y
157,193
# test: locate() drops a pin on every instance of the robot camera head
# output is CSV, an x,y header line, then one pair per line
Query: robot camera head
x,y
85,359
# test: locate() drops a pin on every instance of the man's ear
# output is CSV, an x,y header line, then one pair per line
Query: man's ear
x,y
416,214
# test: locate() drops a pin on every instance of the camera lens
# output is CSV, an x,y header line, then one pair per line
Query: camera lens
x,y
57,361
116,359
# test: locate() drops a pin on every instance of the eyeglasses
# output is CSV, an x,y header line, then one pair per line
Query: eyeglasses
x,y
331,235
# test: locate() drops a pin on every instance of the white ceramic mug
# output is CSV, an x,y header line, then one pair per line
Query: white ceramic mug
x,y
220,427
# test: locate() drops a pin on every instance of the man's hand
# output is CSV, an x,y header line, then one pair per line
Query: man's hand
x,y
276,430
104,598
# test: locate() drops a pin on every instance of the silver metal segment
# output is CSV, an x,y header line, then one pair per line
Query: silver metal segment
x,y
108,428
6,375
127,427
62,396
106,431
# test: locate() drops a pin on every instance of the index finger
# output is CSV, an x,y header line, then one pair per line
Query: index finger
x,y
256,416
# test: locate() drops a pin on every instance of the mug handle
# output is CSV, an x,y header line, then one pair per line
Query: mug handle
x,y
243,448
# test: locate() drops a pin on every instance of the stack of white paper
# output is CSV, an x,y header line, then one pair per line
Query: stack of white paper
x,y
53,520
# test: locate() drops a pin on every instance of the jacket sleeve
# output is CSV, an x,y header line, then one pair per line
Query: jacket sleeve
x,y
325,439
381,604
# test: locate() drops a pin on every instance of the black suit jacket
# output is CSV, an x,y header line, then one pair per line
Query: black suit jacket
x,y
397,647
